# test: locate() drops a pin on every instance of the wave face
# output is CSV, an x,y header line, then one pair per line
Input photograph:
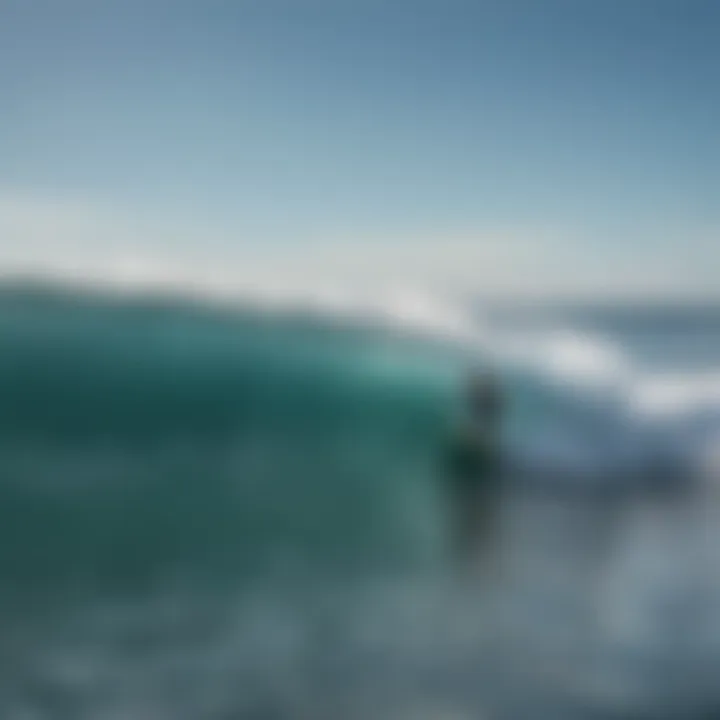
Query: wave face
x,y
210,512
141,438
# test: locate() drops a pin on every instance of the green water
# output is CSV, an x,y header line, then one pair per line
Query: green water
x,y
145,438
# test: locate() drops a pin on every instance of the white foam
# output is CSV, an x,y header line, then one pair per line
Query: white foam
x,y
578,358
606,414
678,394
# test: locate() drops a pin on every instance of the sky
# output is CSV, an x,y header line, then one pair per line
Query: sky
x,y
539,147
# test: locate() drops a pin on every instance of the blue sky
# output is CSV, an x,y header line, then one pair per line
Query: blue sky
x,y
510,146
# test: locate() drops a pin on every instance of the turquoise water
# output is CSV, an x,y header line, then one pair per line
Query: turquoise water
x,y
215,513
142,439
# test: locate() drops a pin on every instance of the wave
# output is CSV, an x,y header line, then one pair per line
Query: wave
x,y
264,428
157,451
147,434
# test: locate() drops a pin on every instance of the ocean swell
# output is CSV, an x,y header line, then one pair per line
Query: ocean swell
x,y
236,511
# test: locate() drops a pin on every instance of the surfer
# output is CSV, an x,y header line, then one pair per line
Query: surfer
x,y
472,467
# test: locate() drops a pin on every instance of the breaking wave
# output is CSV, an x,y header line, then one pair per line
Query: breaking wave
x,y
234,507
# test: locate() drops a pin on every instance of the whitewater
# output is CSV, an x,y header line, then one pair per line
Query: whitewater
x,y
231,507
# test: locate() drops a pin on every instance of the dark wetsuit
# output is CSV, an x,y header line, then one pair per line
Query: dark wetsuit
x,y
472,470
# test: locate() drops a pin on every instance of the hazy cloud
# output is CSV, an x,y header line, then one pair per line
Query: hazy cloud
x,y
75,238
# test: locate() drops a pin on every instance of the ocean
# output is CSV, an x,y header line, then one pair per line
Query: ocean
x,y
235,510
